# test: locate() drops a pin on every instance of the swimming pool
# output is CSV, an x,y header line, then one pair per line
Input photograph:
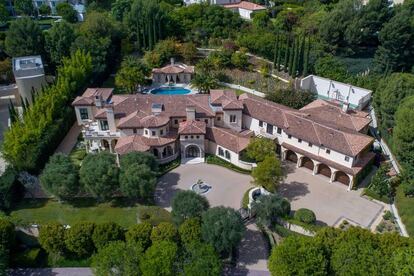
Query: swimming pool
x,y
170,91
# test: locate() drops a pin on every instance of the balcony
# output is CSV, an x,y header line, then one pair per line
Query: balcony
x,y
92,131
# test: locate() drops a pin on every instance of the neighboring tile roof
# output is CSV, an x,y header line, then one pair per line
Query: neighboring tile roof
x,y
329,113
300,125
130,143
175,68
88,97
192,127
245,5
226,98
230,139
155,121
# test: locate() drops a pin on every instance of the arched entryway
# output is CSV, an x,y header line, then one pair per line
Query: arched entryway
x,y
342,177
167,151
105,144
324,170
307,163
291,156
192,151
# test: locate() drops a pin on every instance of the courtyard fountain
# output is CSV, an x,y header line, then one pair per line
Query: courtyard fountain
x,y
200,187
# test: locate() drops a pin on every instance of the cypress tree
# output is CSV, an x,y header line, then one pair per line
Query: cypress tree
x,y
301,53
295,58
279,54
286,58
276,52
291,54
306,58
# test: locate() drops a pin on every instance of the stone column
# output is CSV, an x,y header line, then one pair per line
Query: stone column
x,y
351,182
333,174
315,167
283,155
299,162
110,146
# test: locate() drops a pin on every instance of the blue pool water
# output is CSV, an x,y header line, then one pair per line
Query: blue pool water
x,y
170,91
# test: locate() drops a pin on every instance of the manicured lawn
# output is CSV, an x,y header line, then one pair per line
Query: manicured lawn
x,y
405,207
43,211
77,156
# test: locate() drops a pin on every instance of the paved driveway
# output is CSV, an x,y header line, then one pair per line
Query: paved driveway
x,y
227,190
330,201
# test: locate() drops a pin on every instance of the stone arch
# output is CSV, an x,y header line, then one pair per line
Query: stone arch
x,y
192,151
167,151
155,151
291,156
324,170
307,163
105,144
342,177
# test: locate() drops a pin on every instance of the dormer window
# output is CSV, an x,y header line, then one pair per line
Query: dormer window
x,y
299,140
233,118
83,113
260,123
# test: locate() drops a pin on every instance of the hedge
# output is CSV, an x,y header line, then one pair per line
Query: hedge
x,y
305,215
212,159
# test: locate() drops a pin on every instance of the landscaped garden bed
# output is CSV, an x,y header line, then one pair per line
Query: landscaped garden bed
x,y
212,159
388,224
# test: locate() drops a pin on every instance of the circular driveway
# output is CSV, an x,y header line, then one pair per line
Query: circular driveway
x,y
227,189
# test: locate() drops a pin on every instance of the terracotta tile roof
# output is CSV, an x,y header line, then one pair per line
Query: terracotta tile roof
x,y
155,121
226,98
192,127
173,106
230,139
330,113
300,125
131,143
175,68
363,161
245,5
88,97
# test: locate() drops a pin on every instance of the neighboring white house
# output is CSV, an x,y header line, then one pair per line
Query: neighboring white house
x,y
356,97
245,9
321,136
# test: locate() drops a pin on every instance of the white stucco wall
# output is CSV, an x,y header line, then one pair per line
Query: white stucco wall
x,y
226,119
78,117
246,14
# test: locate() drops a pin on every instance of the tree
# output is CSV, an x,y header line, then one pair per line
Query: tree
x,y
99,175
24,7
52,238
118,258
269,207
164,231
188,51
24,38
139,233
7,234
160,259
268,173
391,91
60,177
67,12
45,10
137,182
8,188
305,215
120,8
332,68
105,233
58,41
403,136
190,231
222,228
240,60
380,182
78,239
202,259
4,259
4,14
259,148
129,79
396,50
188,204
298,256
139,158
403,261
204,83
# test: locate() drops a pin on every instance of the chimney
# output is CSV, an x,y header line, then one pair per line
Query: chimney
x,y
98,101
190,110
345,107
111,118
172,61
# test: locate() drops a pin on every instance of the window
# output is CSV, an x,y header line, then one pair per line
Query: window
x,y
186,137
104,124
146,132
260,123
220,151
161,132
192,137
198,137
153,133
328,151
176,121
310,145
134,131
83,113
227,154
206,121
218,118
279,130
290,136
269,129
232,118
347,158
299,140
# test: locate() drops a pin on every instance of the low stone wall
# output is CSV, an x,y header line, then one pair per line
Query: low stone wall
x,y
246,165
296,228
242,88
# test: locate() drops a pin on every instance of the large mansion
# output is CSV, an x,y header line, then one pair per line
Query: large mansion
x,y
324,137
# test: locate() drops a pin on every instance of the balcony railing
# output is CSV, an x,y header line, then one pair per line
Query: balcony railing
x,y
92,130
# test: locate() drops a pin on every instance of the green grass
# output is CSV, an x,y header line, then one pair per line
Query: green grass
x,y
77,156
405,207
153,215
43,211
212,159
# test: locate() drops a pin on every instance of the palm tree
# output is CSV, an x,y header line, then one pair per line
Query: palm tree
x,y
204,82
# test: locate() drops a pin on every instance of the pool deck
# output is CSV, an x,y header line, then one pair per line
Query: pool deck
x,y
177,85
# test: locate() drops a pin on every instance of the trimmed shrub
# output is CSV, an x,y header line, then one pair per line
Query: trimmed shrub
x,y
7,234
52,237
188,204
139,233
105,233
164,232
78,239
190,231
305,215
